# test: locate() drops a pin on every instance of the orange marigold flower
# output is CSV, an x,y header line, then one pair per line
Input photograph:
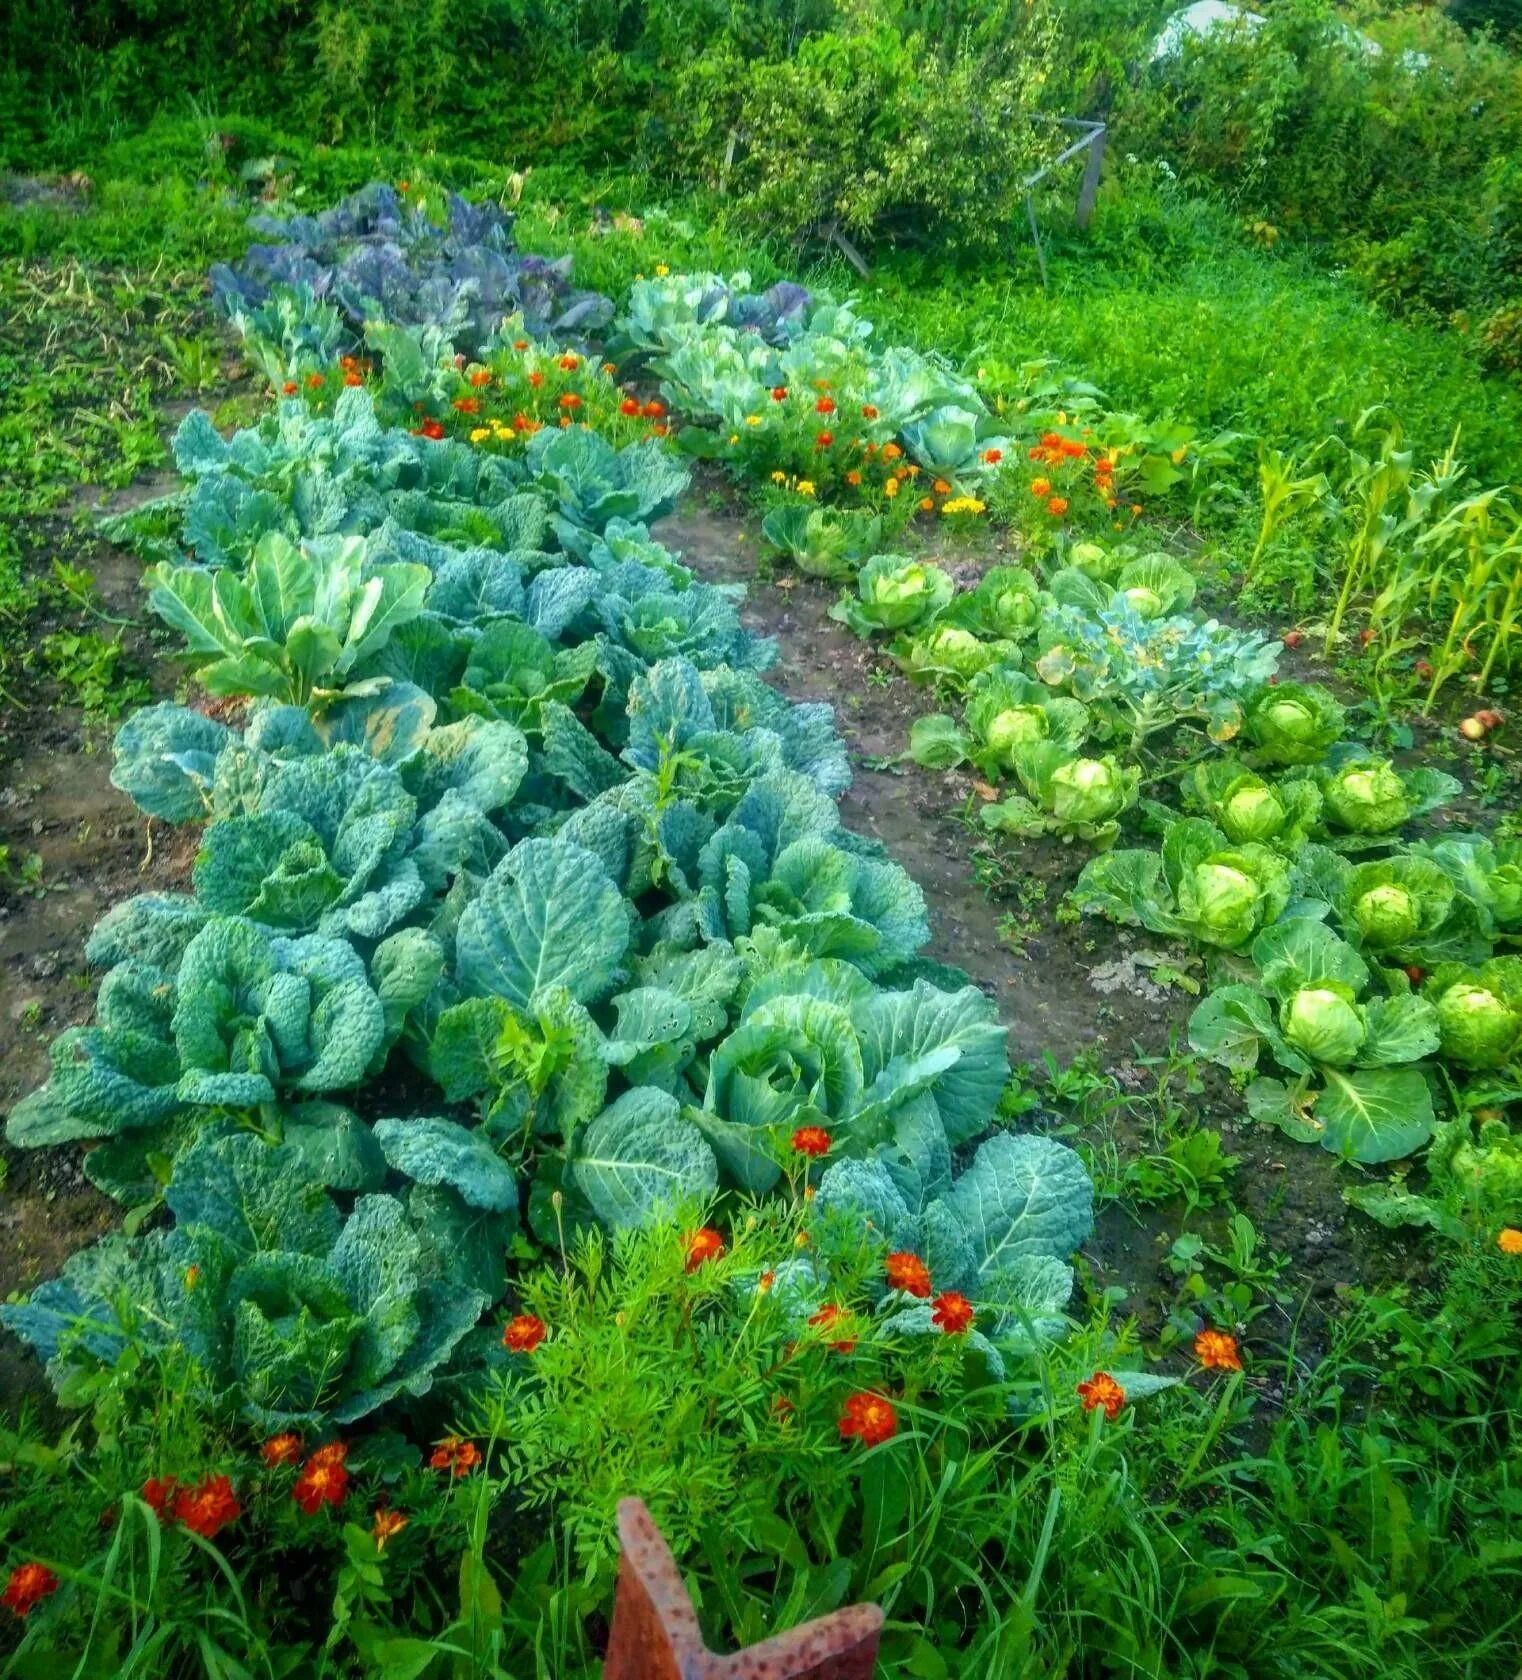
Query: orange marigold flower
x,y
927,504
570,360
1102,1392
993,456
536,380
825,405
480,377
431,429
1509,1240
456,1455
1041,487
824,440
324,1480
629,406
1103,467
941,487
1072,448
779,393
908,1272
853,478
892,452
520,344
28,1585
468,405
1216,1350
610,368
868,411
1057,506
703,1246
826,1318
569,400
347,362
208,1507
289,388
813,1141
765,1282
281,1449
952,1313
158,1495
653,410
386,1526
315,382
870,1418
354,377
524,1333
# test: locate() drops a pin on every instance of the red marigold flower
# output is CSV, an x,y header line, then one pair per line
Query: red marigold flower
x,y
993,456
825,405
480,377
824,440
569,400
456,1455
354,377
952,1313
335,1452
653,410
813,1141
703,1246
289,388
158,1496
281,1449
868,411
520,344
386,1526
870,1418
826,1318
908,1272
536,380
1103,467
1102,1392
524,1333
28,1585
431,429
569,361
315,382
323,1481
1072,448
1057,506
468,405
779,393
208,1507
1216,1350
629,406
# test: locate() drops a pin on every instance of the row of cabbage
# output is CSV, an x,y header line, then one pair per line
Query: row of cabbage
x,y
522,902
1374,972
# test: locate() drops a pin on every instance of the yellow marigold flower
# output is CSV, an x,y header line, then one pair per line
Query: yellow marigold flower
x,y
779,478
661,271
734,438
890,488
752,419
1509,1240
1179,454
805,487
962,504
479,434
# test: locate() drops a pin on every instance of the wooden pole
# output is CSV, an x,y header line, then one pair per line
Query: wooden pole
x,y
655,1629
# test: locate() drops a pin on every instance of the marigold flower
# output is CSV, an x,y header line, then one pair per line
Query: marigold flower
x,y
28,1585
992,457
853,478
610,368
1509,1240
765,1282
870,1418
536,379
653,410
892,452
824,440
927,504
812,1141
479,434
456,1455
158,1495
890,488
629,406
520,344
281,1449
468,405
1216,1350
805,487
569,400
1103,467
1041,488
334,1452
941,487
868,411
208,1507
661,271
703,1246
569,361
753,420
431,429
524,1333
480,377
324,1480
1102,1392
779,393
386,1526
315,382
910,471
825,405
826,1318
908,1272
952,1313
779,478
1057,506
289,388
404,186
962,504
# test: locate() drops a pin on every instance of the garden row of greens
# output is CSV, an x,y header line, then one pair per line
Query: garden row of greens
x,y
510,812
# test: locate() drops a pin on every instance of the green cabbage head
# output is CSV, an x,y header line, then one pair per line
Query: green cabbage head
x,y
1367,797
1324,1023
1294,723
1387,915
1228,900
1088,790
1015,726
950,649
1479,1012
1254,812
